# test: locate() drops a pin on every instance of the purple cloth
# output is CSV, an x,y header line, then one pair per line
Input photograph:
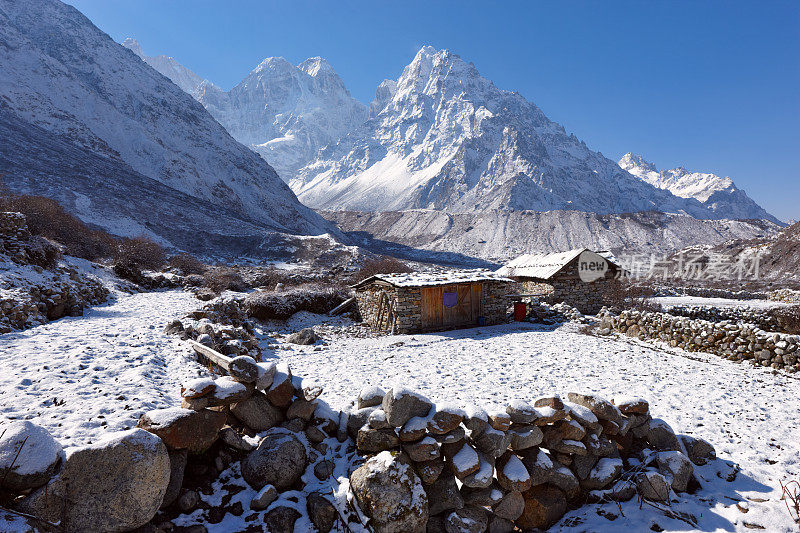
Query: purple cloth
x,y
450,299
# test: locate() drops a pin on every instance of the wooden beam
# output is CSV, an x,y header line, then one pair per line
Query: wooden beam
x,y
212,355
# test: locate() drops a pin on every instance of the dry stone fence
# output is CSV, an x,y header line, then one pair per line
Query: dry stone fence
x,y
730,340
410,465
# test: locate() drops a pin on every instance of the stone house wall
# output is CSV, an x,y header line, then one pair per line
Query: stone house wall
x,y
567,287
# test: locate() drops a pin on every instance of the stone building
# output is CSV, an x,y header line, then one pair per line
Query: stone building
x,y
581,278
406,303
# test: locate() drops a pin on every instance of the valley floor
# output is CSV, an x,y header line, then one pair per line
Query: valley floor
x,y
115,363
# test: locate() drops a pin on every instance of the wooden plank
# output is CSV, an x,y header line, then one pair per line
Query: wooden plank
x,y
342,306
431,307
477,299
212,355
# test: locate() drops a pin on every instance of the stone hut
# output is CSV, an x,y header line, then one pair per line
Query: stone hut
x,y
407,303
579,277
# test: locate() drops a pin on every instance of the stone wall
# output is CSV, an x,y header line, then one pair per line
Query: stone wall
x,y
495,300
785,295
735,341
710,292
766,319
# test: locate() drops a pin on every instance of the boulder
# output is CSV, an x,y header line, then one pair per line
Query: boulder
x,y
389,492
429,471
281,391
425,450
676,467
445,419
511,473
321,512
115,484
544,506
257,413
469,519
371,440
279,460
699,450
521,412
281,519
633,406
370,397
465,461
357,419
563,478
443,495
177,466
197,388
401,404
305,336
510,507
652,486
604,472
524,437
184,429
661,436
244,369
264,498
601,408
413,430
39,455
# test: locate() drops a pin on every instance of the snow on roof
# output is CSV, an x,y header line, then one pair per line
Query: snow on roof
x,y
417,279
545,266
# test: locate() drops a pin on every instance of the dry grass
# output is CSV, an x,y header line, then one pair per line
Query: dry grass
x,y
187,264
380,265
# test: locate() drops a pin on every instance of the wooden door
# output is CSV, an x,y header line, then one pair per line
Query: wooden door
x,y
432,307
463,313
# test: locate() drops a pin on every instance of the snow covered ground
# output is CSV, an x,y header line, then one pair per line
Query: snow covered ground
x,y
79,377
671,301
752,416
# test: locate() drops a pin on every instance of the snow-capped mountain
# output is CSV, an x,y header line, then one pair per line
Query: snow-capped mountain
x,y
181,76
719,194
286,112
80,96
443,137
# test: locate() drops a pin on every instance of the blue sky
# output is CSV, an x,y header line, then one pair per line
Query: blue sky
x,y
712,86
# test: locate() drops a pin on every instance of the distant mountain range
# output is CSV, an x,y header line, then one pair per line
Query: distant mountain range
x,y
86,122
720,195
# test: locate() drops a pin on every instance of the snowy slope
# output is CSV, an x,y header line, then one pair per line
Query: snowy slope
x,y
719,194
443,137
67,78
169,67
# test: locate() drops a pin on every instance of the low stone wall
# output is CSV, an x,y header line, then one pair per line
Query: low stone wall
x,y
785,295
710,292
734,341
418,467
761,318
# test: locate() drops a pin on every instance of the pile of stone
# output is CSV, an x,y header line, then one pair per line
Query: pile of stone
x,y
785,295
710,292
730,340
545,313
439,468
220,327
762,318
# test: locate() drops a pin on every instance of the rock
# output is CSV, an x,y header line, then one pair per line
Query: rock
x,y
198,388
500,525
583,464
548,415
188,501
524,437
544,506
500,421
538,465
39,455
633,406
652,486
173,327
257,413
244,369
279,460
232,438
476,421
324,469
510,507
443,495
563,478
376,440
467,520
177,466
699,450
184,429
228,391
401,404
465,461
602,474
521,412
414,429
482,477
370,397
676,468
571,447
266,375
445,419
321,511
357,419
377,420
281,391
264,498
485,497
511,473
493,442
424,450
305,336
661,436
390,493
601,408
549,401
302,409
429,471
281,519
134,463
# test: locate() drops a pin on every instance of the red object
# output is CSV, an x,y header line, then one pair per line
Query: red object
x,y
520,311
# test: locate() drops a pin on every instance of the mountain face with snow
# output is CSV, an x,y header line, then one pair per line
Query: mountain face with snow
x,y
169,67
719,194
124,135
443,137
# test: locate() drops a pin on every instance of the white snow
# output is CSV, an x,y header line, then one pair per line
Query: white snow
x,y
673,301
26,447
81,377
515,470
465,459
